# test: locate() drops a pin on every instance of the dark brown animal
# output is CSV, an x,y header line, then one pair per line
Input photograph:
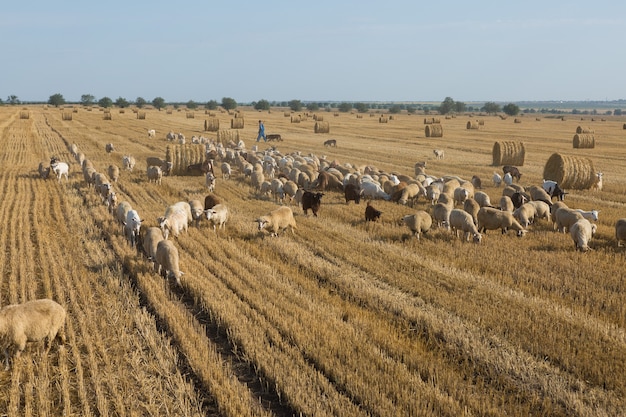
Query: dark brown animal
x,y
276,137
371,214
331,142
201,168
352,192
311,201
210,201
514,171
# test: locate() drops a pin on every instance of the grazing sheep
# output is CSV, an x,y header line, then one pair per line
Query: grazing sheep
x,y
352,192
542,209
277,221
565,217
132,225
373,190
477,182
122,210
554,208
482,199
166,167
438,153
525,214
330,142
128,162
506,204
471,206
461,220
276,186
226,170
371,214
154,174
581,233
497,179
150,239
514,171
111,202
539,194
210,201
620,231
61,169
43,170
418,223
441,215
197,211
411,193
32,321
114,172
174,221
491,219
432,193
109,147
591,215
460,195
217,216
167,260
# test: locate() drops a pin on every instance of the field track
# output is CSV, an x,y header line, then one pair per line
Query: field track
x,y
343,318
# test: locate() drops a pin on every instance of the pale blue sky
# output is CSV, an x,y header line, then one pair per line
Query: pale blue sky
x,y
320,50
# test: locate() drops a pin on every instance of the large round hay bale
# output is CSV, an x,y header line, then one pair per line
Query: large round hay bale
x,y
212,124
570,171
472,125
508,153
318,117
295,119
236,123
434,130
585,130
141,115
383,119
181,156
583,140
322,127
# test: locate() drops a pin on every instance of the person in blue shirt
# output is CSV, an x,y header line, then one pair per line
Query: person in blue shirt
x,y
261,132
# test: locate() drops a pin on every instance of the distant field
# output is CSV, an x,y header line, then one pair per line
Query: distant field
x,y
343,318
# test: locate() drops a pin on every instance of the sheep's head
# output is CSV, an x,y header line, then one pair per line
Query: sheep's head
x,y
477,237
262,222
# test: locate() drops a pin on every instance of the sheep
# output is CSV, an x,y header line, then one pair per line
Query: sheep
x,y
411,193
477,182
490,219
209,181
591,215
167,260
432,194
482,199
539,194
418,223
497,179
132,225
438,153
620,231
461,220
581,232
226,170
525,214
277,220
278,193
210,201
197,211
598,184
471,206
109,147
565,217
122,210
166,166
176,219
154,174
542,209
151,133
371,214
460,195
290,189
506,204
554,208
32,321
217,216
441,214
111,202
128,162
508,178
61,169
150,240
373,190
114,172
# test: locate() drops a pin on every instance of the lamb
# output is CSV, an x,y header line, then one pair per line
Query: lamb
x,y
497,179
620,231
132,225
491,219
197,211
209,181
565,217
598,184
61,169
167,260
114,172
581,233
32,321
277,221
217,216
461,220
591,215
438,153
150,240
418,223
154,174
508,178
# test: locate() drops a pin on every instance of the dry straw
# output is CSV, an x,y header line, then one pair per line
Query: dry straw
x,y
581,129
509,153
227,136
322,127
570,171
472,125
212,124
181,156
236,123
434,131
584,141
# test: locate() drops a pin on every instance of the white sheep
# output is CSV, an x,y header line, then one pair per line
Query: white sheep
x,y
290,189
114,172
411,193
525,214
154,174
620,231
506,204
491,219
167,260
122,210
542,209
508,178
565,217
461,221
209,181
598,184
217,216
226,170
373,190
111,202
460,195
581,232
128,162
432,193
151,133
277,190
471,206
61,169
497,179
418,223
132,225
591,215
174,223
277,220
441,215
553,209
150,239
482,199
197,211
438,153
32,321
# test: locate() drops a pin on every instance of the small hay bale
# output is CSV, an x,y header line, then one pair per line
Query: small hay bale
x,y
318,117
570,171
24,114
168,111
434,130
585,130
226,136
106,116
66,115
212,124
236,123
141,115
190,115
472,125
624,126
287,114
295,119
583,140
481,122
432,120
383,119
508,153
517,120
181,156
359,116
322,127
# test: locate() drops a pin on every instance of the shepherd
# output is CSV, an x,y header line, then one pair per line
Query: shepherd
x,y
261,132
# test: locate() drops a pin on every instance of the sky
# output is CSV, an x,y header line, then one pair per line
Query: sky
x,y
354,51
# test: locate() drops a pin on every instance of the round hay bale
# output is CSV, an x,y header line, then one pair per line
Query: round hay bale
x,y
434,131
584,141
106,116
287,114
236,123
472,125
508,153
570,171
295,119
586,130
624,127
322,127
66,115
517,120
190,115
318,117
383,119
181,156
24,114
141,115
226,136
212,124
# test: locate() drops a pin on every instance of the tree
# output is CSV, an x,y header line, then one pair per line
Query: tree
x,y
491,107
192,105
158,103
459,106
12,99
344,107
511,109
140,102
446,106
395,109
617,112
411,109
121,102
295,105
361,107
262,105
312,107
87,99
56,100
211,105
105,102
229,103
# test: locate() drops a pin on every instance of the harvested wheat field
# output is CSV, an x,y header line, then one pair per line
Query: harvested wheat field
x,y
343,317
